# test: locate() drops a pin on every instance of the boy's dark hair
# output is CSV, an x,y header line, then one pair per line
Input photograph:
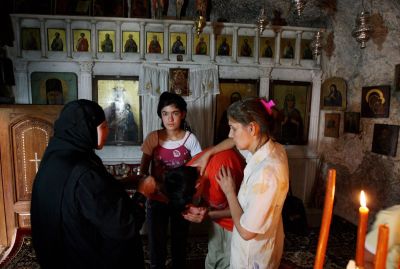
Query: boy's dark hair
x,y
180,186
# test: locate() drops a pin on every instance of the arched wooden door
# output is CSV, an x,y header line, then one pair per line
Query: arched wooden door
x,y
25,131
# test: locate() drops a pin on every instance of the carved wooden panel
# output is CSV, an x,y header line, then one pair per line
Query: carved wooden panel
x,y
30,138
25,131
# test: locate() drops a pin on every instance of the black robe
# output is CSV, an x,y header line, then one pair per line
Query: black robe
x,y
81,216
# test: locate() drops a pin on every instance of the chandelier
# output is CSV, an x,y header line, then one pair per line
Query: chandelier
x,y
262,21
316,44
363,29
200,18
299,5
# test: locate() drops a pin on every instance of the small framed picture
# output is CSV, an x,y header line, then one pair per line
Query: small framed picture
x,y
53,88
306,52
155,41
352,122
106,41
375,102
81,40
333,95
397,78
267,47
245,45
231,90
178,43
224,45
56,39
385,139
201,44
332,124
30,38
287,48
293,102
130,41
118,96
179,81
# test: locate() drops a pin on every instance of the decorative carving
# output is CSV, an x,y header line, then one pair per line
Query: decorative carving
x,y
31,139
380,30
86,66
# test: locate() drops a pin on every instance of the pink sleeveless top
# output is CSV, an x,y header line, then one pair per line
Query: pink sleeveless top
x,y
166,159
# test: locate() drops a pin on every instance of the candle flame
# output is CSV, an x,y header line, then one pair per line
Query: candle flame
x,y
363,199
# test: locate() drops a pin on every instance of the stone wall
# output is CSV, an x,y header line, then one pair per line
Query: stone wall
x,y
357,167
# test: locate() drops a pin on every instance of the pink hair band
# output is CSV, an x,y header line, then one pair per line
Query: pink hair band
x,y
268,105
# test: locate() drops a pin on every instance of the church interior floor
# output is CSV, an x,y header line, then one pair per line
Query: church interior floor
x,y
299,250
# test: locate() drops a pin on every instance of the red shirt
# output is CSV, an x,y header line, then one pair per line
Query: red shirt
x,y
212,192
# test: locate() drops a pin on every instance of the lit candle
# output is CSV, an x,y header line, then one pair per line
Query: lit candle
x,y
362,229
382,247
326,220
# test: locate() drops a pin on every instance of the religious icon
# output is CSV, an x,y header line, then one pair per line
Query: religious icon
x,y
120,101
293,105
287,48
201,44
154,42
178,41
306,52
30,38
246,44
224,45
179,81
375,102
106,41
53,88
332,124
333,95
267,47
56,39
81,40
130,41
352,122
385,139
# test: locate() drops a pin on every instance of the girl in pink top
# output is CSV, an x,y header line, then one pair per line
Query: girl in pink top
x,y
164,149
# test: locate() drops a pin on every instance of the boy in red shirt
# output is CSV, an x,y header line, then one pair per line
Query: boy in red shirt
x,y
217,209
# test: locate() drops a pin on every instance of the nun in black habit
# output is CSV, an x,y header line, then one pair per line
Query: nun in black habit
x,y
81,216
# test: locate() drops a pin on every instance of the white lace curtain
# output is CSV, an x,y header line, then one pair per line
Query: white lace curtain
x,y
203,85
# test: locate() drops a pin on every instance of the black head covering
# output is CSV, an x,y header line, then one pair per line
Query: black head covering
x,y
77,124
75,137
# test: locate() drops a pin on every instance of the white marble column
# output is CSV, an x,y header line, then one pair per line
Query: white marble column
x,y
43,39
235,44
142,40
94,39
297,54
22,91
212,47
85,80
256,47
189,40
315,111
265,77
118,40
69,39
166,41
278,47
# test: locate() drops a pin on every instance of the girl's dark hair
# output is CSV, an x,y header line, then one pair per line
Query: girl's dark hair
x,y
167,99
180,186
252,110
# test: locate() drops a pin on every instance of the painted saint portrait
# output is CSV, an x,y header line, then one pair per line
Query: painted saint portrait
x,y
375,102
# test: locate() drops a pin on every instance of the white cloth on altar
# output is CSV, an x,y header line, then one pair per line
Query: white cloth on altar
x,y
203,86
